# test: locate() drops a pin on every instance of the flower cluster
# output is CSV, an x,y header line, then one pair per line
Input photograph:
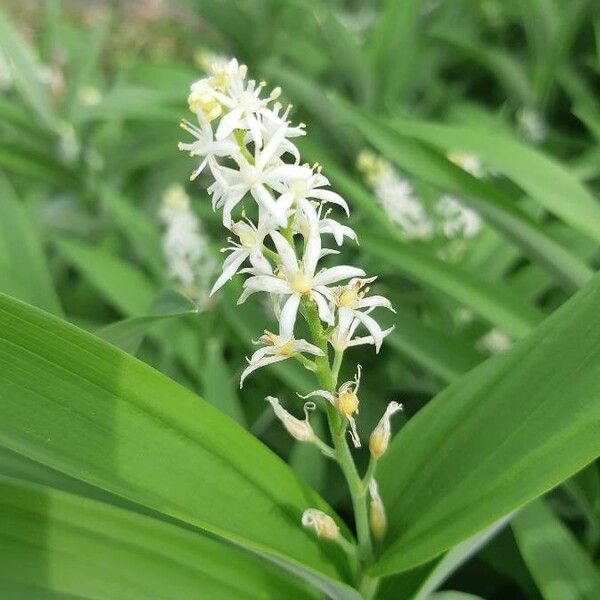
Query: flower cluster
x,y
449,216
280,216
189,259
396,197
245,143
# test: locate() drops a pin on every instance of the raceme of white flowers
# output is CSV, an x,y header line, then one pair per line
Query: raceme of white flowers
x,y
190,261
396,197
280,214
449,216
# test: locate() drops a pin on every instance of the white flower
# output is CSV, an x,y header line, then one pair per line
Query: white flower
x,y
380,437
353,305
326,225
249,247
468,162
275,350
231,185
300,430
308,185
345,401
342,336
396,196
532,125
299,279
205,145
495,341
458,220
244,103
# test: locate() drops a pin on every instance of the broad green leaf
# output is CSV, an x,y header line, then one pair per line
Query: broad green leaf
x,y
54,542
456,557
393,47
495,206
142,233
128,334
505,433
125,287
446,357
558,564
80,406
494,302
544,179
23,254
220,387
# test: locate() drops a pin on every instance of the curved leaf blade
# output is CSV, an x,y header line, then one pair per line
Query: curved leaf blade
x,y
81,406
507,432
557,563
56,542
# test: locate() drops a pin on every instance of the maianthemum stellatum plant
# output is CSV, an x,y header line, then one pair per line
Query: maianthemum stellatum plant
x,y
471,186
243,140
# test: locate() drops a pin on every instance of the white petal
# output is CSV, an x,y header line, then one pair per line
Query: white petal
x,y
271,149
373,327
304,346
254,127
286,253
228,123
268,283
312,249
287,318
329,196
264,198
338,273
269,360
321,393
373,301
230,270
325,313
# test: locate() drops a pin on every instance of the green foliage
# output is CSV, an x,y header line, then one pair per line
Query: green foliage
x,y
105,460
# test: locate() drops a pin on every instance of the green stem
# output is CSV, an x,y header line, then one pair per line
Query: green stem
x,y
328,379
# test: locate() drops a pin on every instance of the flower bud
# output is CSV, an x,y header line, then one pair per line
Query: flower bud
x,y
377,516
324,526
380,437
300,430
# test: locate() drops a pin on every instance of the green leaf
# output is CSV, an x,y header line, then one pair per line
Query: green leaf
x,y
26,73
125,287
220,387
495,206
22,254
493,301
505,433
80,406
54,542
445,356
544,179
455,558
129,334
557,563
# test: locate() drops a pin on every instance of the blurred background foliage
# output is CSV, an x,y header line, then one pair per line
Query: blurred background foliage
x,y
493,103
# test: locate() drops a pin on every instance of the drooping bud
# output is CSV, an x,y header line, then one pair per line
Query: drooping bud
x,y
299,429
324,526
346,402
380,437
377,518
